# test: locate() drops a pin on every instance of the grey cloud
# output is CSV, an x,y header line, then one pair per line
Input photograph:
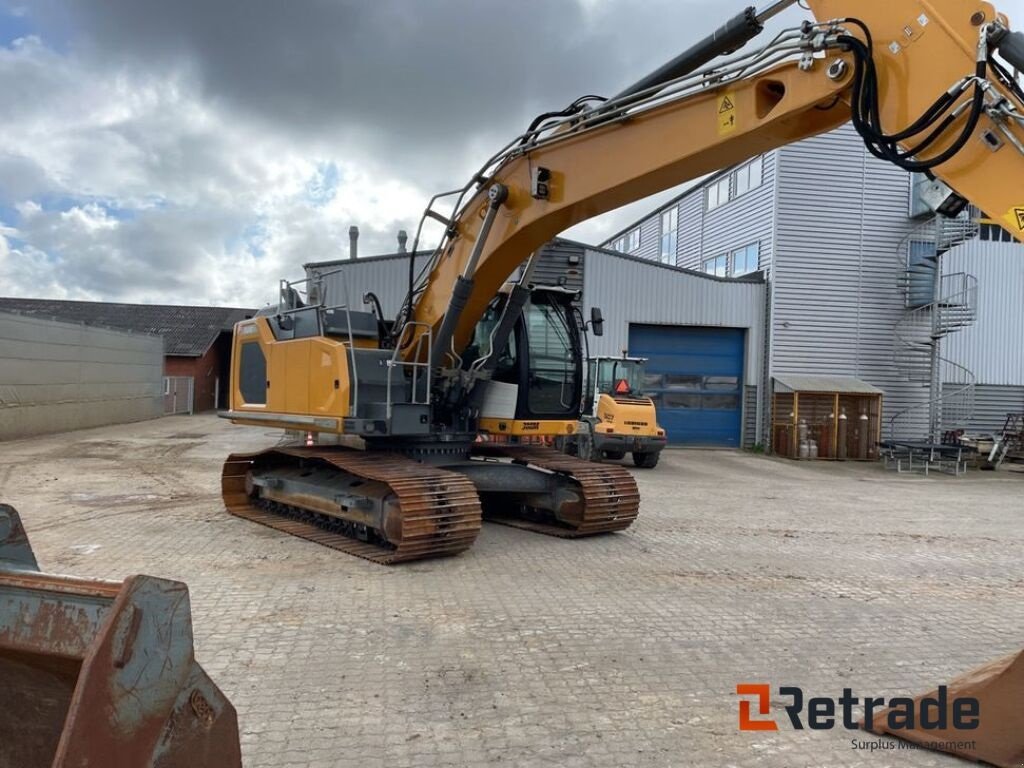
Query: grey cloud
x,y
21,178
410,82
200,122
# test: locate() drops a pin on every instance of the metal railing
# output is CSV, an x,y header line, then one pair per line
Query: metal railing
x,y
418,359
286,289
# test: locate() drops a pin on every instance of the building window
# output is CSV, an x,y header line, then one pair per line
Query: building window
x,y
745,260
750,176
717,266
669,235
629,242
739,182
718,193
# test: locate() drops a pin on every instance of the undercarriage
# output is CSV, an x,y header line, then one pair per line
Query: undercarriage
x,y
392,508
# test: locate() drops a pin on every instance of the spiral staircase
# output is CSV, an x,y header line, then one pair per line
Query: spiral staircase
x,y
938,304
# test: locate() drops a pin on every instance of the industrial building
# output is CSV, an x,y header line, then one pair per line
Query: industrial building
x,y
197,342
848,250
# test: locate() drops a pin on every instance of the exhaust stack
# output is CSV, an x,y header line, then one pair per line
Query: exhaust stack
x,y
353,242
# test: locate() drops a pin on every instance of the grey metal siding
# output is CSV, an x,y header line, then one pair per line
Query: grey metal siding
x,y
56,377
650,238
744,220
841,218
387,277
633,291
691,230
561,263
750,397
991,404
702,234
993,348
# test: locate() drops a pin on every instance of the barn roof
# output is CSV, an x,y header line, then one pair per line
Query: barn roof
x,y
187,331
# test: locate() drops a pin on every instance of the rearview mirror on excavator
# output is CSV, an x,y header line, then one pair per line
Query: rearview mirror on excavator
x,y
596,321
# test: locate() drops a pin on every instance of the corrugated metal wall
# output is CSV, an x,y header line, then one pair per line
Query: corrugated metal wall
x,y
750,417
742,221
994,347
630,290
561,263
703,234
56,377
991,404
841,218
831,221
388,277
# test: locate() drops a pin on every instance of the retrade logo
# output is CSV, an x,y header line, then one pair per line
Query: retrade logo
x,y
763,693
821,713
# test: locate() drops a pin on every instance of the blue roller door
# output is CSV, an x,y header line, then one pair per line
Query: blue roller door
x,y
695,376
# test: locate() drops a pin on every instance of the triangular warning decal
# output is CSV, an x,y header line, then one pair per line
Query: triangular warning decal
x,y
1019,213
726,105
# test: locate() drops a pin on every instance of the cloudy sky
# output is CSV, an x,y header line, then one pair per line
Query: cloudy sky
x,y
195,151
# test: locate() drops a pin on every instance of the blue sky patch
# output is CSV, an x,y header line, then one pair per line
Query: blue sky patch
x,y
13,25
322,187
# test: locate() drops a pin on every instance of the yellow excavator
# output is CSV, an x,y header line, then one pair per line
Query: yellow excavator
x,y
436,394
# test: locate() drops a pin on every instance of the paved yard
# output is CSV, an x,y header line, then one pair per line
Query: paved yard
x,y
527,650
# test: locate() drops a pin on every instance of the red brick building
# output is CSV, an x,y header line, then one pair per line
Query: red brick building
x,y
197,342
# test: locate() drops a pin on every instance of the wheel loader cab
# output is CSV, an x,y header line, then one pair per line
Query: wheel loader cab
x,y
614,376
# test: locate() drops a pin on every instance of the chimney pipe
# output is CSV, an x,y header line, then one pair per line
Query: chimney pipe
x,y
403,238
353,242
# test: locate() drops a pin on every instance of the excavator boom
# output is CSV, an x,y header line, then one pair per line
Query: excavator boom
x,y
662,133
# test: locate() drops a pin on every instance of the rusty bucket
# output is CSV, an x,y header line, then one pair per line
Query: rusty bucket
x,y
98,673
997,738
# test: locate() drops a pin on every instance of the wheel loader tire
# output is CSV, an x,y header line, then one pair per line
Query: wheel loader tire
x,y
585,446
615,455
646,460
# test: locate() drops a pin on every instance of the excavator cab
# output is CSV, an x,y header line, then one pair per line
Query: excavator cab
x,y
537,379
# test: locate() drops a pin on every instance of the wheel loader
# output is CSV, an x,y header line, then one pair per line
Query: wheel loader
x,y
929,86
617,417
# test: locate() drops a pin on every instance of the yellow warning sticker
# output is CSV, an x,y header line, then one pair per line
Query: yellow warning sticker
x,y
1015,218
726,114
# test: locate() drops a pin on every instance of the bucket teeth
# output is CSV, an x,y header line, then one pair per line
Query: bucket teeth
x,y
440,509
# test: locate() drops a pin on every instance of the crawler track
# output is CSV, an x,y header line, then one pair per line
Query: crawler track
x,y
610,496
440,509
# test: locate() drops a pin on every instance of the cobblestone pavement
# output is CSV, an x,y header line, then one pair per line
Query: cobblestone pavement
x,y
528,650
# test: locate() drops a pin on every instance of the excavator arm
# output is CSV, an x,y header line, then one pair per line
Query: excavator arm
x,y
920,68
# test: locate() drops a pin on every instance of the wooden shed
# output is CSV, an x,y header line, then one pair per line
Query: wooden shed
x,y
826,417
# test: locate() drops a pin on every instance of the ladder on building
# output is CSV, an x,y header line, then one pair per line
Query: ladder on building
x,y
938,304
